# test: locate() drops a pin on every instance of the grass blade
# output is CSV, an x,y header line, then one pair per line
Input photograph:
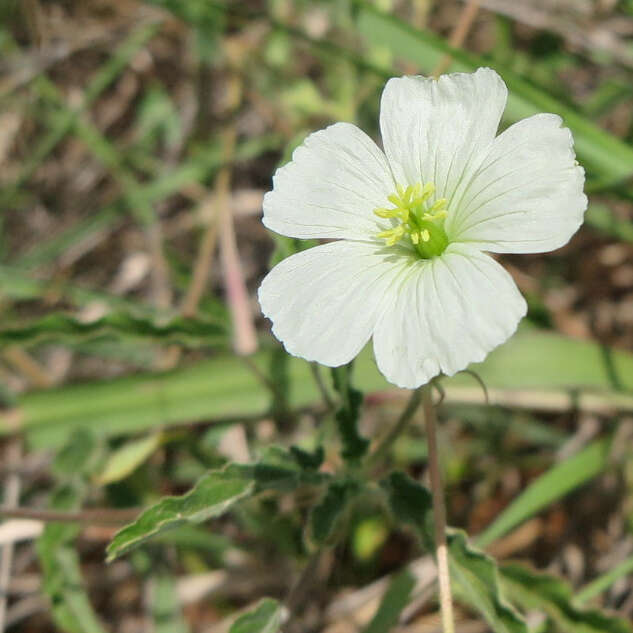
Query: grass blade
x,y
62,327
549,487
555,597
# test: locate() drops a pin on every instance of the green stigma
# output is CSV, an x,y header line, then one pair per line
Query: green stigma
x,y
418,221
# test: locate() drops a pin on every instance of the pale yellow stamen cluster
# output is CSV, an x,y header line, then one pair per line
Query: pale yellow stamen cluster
x,y
417,218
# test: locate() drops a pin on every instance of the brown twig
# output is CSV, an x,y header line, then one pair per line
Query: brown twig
x,y
12,496
161,288
204,259
458,36
28,366
100,516
245,339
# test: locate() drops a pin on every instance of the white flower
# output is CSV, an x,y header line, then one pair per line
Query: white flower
x,y
411,225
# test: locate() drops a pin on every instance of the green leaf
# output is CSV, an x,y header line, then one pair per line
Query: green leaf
x,y
193,537
126,459
475,581
328,514
223,386
603,582
572,365
213,495
279,470
354,445
266,617
62,327
310,460
474,574
63,583
392,604
410,503
79,458
534,590
549,487
61,573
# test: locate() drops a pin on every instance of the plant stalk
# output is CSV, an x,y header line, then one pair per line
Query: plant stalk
x,y
385,444
439,513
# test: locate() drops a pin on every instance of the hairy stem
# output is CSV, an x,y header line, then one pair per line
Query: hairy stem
x,y
439,513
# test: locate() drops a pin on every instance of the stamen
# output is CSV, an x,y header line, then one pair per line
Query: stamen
x,y
438,204
391,236
422,224
386,213
394,199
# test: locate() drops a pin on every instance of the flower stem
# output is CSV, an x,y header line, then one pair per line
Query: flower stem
x,y
394,432
439,513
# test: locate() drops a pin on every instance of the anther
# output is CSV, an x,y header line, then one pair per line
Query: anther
x,y
421,223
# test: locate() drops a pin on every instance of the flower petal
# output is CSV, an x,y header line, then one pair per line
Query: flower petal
x,y
527,195
335,180
432,130
324,302
448,312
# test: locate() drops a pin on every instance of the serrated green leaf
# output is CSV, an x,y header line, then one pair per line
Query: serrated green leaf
x,y
127,458
552,485
552,595
476,581
278,469
410,503
213,495
392,604
310,460
328,514
62,327
264,618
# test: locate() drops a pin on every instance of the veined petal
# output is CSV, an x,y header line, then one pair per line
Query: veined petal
x,y
527,195
335,180
324,302
435,130
447,312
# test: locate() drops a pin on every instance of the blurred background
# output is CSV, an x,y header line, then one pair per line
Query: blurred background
x,y
137,140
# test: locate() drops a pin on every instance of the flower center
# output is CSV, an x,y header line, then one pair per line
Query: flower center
x,y
415,219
